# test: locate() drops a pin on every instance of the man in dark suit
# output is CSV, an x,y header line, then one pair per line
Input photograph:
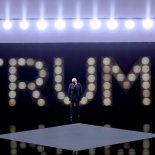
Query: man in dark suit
x,y
75,94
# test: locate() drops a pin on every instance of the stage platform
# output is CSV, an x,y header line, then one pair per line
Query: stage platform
x,y
77,137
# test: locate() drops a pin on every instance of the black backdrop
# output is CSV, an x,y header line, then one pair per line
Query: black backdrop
x,y
126,111
126,108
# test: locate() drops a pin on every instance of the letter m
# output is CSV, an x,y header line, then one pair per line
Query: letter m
x,y
140,68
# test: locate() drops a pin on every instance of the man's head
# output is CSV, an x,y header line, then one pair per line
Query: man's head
x,y
74,80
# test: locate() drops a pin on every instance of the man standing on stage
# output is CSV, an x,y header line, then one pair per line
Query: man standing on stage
x,y
75,94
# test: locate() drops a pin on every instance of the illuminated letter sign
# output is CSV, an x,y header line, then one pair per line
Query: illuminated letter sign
x,y
33,86
142,68
90,81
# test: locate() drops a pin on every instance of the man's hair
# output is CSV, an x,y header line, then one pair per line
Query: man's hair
x,y
74,79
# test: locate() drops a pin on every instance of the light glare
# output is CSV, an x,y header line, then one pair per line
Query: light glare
x,y
147,23
1,62
24,24
95,24
7,25
112,24
42,24
129,24
60,24
78,24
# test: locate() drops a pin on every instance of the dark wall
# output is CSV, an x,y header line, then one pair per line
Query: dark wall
x,y
126,107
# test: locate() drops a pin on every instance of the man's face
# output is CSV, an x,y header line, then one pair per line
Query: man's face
x,y
74,81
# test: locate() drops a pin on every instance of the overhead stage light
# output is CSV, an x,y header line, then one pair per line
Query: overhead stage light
x,y
112,24
60,24
7,25
147,23
129,24
24,24
42,24
95,24
78,24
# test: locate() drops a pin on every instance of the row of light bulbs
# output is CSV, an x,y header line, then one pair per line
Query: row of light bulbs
x,y
95,24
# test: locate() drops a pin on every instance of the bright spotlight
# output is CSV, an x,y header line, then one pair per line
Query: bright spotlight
x,y
60,24
78,24
7,25
112,24
129,24
95,24
42,24
24,24
147,23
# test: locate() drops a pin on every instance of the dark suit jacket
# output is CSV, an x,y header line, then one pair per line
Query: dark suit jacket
x,y
75,92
